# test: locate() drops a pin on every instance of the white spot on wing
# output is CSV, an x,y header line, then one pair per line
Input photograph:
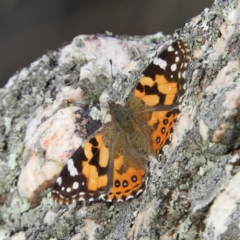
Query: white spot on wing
x,y
184,86
72,170
68,189
119,200
160,62
101,197
139,191
176,52
180,99
170,138
184,74
165,148
59,180
174,67
129,197
170,49
75,185
176,59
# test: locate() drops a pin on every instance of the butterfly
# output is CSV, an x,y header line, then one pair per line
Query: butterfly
x,y
111,164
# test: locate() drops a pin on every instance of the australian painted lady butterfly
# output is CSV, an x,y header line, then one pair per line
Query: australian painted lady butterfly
x,y
111,163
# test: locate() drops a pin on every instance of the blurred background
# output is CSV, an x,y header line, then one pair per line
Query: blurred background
x,y
28,28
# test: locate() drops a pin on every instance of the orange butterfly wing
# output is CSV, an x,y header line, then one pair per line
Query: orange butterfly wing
x,y
86,174
98,172
128,174
111,163
161,88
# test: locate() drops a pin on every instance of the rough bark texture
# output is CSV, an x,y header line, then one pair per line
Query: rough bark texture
x,y
193,190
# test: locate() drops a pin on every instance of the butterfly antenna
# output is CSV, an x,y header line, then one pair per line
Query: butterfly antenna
x,y
110,102
110,60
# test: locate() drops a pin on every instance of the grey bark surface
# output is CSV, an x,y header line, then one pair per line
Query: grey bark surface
x,y
192,191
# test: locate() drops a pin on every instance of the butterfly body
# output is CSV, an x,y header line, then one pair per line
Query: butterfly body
x,y
111,164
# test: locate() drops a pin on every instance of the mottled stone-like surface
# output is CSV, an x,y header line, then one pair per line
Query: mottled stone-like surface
x,y
48,109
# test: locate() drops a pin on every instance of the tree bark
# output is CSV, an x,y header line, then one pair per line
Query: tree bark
x,y
192,190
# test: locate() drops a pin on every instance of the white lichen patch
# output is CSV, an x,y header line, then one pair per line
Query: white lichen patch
x,y
88,230
49,217
166,237
4,234
18,236
206,167
102,114
141,222
203,130
222,208
82,212
198,53
68,94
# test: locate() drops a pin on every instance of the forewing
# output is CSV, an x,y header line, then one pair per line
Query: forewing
x,y
86,176
161,88
163,81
